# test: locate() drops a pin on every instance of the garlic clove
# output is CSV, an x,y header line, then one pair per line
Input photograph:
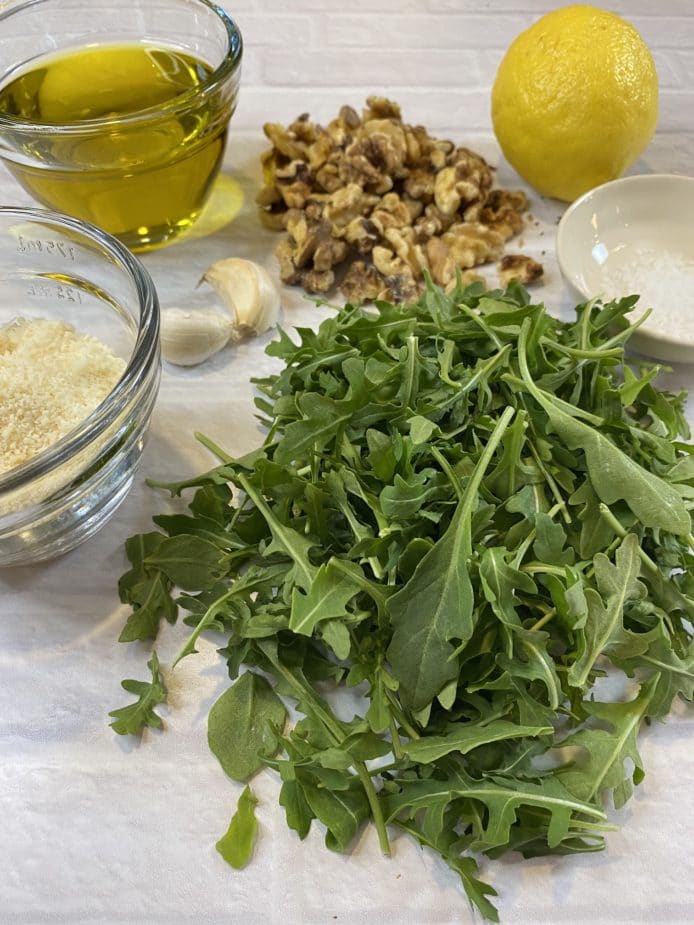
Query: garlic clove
x,y
190,337
248,291
269,300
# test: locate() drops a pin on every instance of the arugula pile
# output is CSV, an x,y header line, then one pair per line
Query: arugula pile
x,y
468,510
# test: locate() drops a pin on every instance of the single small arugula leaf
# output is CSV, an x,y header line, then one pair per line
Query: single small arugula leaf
x,y
465,866
606,751
236,846
328,596
151,600
463,738
146,589
550,542
342,812
500,582
132,719
240,722
190,561
617,584
298,813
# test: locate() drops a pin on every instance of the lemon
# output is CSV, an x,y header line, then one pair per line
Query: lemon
x,y
575,100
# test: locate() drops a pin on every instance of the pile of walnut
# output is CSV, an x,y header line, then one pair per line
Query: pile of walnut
x,y
387,201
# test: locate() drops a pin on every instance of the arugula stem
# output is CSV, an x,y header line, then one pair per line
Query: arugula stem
x,y
214,448
583,354
395,738
376,811
549,478
473,316
369,587
400,716
448,469
486,368
206,620
627,332
543,568
545,619
607,515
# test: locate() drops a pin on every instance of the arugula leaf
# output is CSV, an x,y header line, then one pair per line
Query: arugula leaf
x,y
463,738
327,598
191,562
240,723
606,751
236,846
132,719
437,603
617,584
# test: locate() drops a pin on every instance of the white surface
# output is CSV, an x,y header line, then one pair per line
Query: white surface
x,y
99,829
635,235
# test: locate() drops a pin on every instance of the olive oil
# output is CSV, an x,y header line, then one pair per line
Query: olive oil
x,y
125,138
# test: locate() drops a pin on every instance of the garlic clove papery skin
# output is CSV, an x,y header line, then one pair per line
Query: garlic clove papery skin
x,y
190,337
249,293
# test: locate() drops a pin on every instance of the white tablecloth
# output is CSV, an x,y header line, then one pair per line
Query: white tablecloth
x,y
95,828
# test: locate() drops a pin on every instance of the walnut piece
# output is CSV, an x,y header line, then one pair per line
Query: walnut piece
x,y
382,203
520,268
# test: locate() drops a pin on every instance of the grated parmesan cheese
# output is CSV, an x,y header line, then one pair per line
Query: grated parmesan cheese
x,y
51,378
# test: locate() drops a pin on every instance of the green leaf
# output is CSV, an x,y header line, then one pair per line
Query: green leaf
x,y
466,867
298,812
464,737
550,543
336,635
437,603
190,562
500,582
321,420
675,674
236,847
617,584
131,720
285,539
327,597
240,723
151,601
502,799
342,813
605,751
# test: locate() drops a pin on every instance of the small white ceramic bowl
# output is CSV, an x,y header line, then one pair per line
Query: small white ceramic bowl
x,y
635,236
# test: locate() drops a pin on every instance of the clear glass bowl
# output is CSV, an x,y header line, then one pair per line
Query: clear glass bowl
x,y
141,174
59,268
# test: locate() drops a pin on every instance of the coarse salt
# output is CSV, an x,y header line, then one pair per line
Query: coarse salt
x,y
51,378
665,284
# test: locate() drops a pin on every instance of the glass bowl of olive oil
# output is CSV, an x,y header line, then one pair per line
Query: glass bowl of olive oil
x,y
118,113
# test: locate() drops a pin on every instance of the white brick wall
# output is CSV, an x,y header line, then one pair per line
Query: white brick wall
x,y
438,58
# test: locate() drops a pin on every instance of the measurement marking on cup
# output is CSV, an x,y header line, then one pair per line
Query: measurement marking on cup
x,y
64,293
48,247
